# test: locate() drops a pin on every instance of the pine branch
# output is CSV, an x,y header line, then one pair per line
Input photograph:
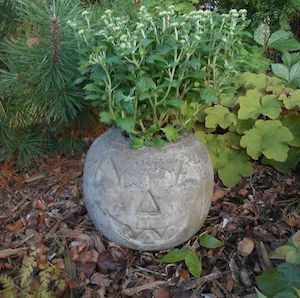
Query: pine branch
x,y
54,38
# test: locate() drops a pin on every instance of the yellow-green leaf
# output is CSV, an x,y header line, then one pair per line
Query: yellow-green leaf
x,y
268,137
219,116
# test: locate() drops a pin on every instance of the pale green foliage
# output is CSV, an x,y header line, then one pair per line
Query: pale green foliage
x,y
230,164
219,115
260,121
254,104
285,167
270,138
292,100
292,122
39,278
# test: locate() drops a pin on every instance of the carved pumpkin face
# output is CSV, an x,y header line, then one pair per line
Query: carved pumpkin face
x,y
140,203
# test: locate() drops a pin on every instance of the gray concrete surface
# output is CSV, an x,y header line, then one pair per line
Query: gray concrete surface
x,y
147,199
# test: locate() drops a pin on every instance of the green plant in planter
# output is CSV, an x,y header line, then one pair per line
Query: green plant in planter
x,y
154,75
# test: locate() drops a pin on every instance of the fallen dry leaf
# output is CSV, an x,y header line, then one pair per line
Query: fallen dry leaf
x,y
100,280
245,247
161,293
243,192
105,263
38,204
292,222
16,226
74,190
219,194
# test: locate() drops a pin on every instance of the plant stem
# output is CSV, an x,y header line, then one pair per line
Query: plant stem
x,y
110,95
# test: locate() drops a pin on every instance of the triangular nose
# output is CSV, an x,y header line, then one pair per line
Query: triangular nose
x,y
148,205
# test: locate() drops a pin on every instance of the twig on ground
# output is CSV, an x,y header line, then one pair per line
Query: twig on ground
x,y
11,251
148,286
198,282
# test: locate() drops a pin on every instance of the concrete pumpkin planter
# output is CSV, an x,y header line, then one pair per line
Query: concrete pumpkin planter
x,y
147,199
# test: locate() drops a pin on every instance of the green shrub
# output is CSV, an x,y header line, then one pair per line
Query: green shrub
x,y
282,13
37,95
8,21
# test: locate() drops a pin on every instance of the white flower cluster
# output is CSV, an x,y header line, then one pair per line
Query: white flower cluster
x,y
187,31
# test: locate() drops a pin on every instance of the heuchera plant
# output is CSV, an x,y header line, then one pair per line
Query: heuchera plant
x,y
154,75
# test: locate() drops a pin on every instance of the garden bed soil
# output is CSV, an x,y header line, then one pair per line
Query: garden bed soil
x,y
43,208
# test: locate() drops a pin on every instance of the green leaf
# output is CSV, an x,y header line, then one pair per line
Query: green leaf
x,y
285,294
91,87
171,133
232,165
284,277
256,81
293,100
293,257
144,42
259,294
282,251
158,142
174,255
262,34
153,58
93,97
281,71
292,122
250,106
193,263
278,35
229,100
175,102
287,59
286,45
296,239
106,117
79,80
295,72
285,167
209,241
219,115
136,143
243,125
209,95
144,84
126,124
268,137
270,106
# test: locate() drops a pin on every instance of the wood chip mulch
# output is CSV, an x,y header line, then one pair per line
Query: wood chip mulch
x,y
43,208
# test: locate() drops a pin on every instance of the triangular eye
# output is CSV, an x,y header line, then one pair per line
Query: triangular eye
x,y
109,171
187,173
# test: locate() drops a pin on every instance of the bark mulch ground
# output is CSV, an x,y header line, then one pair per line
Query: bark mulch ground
x,y
42,210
